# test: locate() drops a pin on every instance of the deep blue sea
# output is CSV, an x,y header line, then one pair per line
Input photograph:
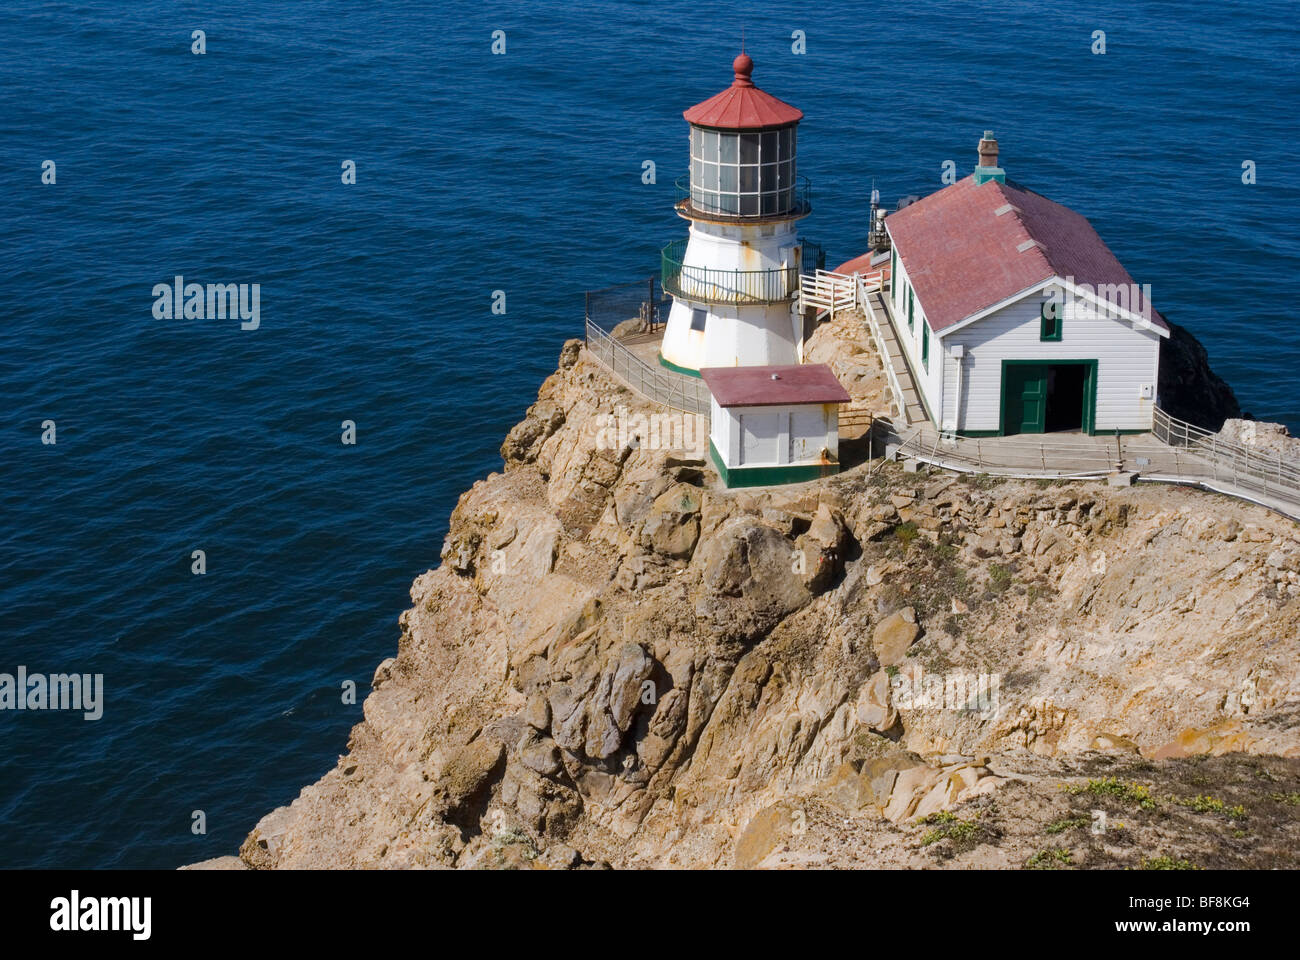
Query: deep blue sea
x,y
475,172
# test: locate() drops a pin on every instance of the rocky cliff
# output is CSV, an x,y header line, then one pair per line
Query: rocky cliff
x,y
620,662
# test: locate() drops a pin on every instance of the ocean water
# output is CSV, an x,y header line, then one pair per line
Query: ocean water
x,y
475,173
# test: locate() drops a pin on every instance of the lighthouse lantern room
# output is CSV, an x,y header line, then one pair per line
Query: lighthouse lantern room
x,y
735,279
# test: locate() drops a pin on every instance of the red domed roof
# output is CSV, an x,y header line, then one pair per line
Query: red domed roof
x,y
742,106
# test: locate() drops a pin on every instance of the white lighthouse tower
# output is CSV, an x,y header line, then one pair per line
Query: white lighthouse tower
x,y
735,280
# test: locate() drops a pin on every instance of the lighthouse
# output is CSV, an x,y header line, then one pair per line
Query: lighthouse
x,y
734,280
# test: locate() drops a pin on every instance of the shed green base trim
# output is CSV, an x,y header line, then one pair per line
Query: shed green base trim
x,y
979,433
769,476
677,369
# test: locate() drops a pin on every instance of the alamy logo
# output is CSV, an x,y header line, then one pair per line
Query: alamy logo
x,y
975,693
1129,297
215,301
74,913
658,431
57,691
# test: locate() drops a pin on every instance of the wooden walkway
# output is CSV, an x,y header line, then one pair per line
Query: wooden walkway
x,y
1079,456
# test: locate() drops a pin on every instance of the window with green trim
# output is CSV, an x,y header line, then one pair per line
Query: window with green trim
x,y
1050,327
911,304
925,345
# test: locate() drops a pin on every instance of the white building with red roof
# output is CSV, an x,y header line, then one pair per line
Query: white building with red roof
x,y
1014,315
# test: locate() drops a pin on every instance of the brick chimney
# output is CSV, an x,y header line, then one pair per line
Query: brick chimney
x,y
988,168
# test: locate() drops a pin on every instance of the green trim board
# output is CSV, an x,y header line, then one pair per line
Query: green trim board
x,y
976,434
1050,329
678,369
1023,407
768,476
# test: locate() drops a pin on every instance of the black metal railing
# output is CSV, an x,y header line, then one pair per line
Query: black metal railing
x,y
708,285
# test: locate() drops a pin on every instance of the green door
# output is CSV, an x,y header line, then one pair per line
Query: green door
x,y
1024,398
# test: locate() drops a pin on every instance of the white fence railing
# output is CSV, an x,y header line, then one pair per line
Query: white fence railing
x,y
827,290
674,390
863,289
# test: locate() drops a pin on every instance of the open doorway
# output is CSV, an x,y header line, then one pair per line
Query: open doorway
x,y
1048,397
1066,387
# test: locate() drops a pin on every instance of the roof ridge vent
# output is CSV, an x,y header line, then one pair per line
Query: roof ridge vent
x,y
1028,245
1006,208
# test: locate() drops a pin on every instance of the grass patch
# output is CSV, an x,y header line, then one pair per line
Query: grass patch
x,y
946,826
1068,823
1290,799
999,577
1164,863
1115,789
1205,804
1053,858
906,533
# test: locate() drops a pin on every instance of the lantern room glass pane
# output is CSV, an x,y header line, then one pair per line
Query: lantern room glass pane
x,y
750,173
708,146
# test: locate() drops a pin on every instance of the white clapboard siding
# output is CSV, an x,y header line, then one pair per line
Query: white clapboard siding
x,y
1126,356
929,381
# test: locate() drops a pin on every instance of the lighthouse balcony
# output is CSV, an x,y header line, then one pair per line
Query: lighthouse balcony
x,y
768,200
709,285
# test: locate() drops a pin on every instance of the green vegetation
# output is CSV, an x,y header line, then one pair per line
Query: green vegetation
x,y
1164,863
906,533
949,827
1290,799
1134,793
1000,577
1204,804
1069,823
891,671
1053,858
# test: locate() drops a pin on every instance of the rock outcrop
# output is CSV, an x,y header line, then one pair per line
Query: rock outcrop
x,y
1188,389
620,662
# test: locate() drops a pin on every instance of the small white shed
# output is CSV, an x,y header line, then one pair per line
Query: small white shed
x,y
774,424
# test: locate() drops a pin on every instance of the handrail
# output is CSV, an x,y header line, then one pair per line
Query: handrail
x,y
709,285
672,390
878,336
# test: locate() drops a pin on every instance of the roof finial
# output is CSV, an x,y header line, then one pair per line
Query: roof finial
x,y
744,66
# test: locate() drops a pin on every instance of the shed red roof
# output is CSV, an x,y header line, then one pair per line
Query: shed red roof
x,y
967,247
742,106
755,387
